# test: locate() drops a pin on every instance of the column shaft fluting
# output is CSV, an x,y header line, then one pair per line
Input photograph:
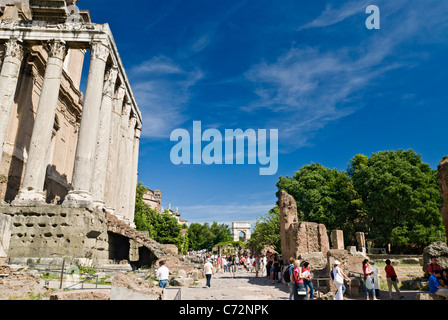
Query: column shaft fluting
x,y
121,191
81,195
8,85
104,132
127,169
114,145
134,174
36,166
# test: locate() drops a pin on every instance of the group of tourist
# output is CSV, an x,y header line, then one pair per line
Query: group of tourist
x,y
233,263
298,275
438,280
372,281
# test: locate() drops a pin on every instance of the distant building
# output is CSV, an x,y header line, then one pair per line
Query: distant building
x,y
154,199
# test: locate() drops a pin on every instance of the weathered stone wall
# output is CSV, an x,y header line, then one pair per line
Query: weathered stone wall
x,y
53,231
288,225
299,238
443,183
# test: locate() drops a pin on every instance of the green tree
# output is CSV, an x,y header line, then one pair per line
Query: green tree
x,y
142,215
326,196
204,236
162,227
266,231
401,196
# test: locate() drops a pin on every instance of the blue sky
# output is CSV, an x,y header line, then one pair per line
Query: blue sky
x,y
310,69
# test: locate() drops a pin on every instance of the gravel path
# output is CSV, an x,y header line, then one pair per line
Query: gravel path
x,y
245,286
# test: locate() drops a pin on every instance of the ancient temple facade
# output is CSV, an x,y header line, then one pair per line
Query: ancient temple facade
x,y
58,146
64,153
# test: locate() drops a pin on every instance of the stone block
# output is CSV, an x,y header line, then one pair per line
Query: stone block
x,y
121,293
337,239
427,296
82,295
181,281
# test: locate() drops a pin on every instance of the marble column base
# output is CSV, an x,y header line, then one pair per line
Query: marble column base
x,y
78,199
99,205
29,198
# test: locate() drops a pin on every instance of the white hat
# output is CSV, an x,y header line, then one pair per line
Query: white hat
x,y
336,262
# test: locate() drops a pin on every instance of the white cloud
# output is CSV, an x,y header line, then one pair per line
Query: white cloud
x,y
308,87
332,15
162,89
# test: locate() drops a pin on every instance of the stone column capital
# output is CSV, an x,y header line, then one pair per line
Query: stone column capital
x,y
57,49
127,106
120,92
132,121
110,79
138,131
14,48
100,50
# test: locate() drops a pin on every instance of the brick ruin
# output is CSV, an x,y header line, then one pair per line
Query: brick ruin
x,y
309,241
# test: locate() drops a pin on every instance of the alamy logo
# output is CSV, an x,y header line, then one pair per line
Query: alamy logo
x,y
212,153
373,21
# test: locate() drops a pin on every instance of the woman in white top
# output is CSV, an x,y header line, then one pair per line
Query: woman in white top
x,y
376,280
338,280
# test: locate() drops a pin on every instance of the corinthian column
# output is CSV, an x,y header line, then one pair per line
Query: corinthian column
x,y
31,192
127,177
122,164
102,148
114,145
8,84
134,174
81,195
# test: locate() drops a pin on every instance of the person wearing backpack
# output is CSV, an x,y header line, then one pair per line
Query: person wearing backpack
x,y
297,277
287,277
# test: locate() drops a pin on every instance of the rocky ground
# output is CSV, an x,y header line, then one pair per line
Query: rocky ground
x,y
18,284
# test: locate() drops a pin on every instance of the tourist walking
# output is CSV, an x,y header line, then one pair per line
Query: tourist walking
x,y
368,280
392,280
263,265
375,278
289,279
218,264
297,278
338,280
257,265
162,275
225,266
275,269
209,271
268,267
307,280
